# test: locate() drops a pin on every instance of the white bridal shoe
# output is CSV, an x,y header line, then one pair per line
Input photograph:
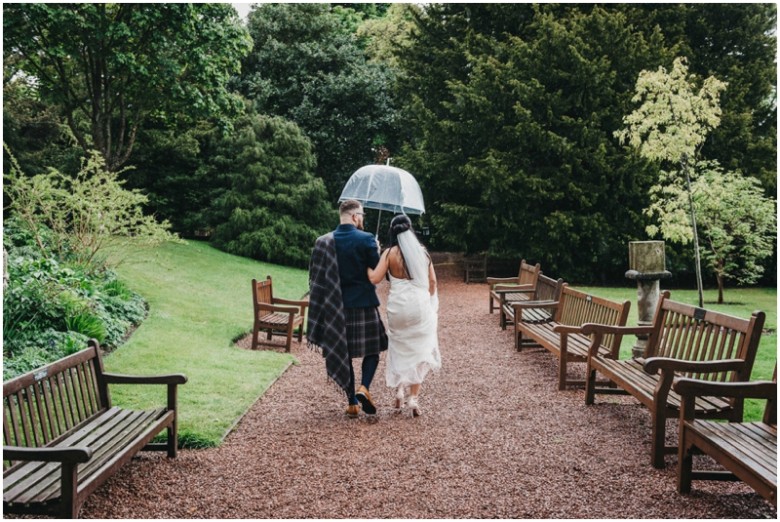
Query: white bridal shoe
x,y
399,399
416,411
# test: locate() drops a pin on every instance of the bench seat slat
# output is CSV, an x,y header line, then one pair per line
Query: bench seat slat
x,y
107,434
278,319
629,373
753,444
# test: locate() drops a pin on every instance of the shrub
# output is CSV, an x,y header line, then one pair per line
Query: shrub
x,y
51,306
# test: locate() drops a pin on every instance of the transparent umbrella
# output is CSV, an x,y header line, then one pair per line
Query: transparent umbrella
x,y
384,187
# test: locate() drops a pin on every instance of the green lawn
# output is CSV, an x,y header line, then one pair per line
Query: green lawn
x,y
200,301
740,302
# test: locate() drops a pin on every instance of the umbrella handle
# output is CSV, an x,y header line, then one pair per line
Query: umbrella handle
x,y
378,221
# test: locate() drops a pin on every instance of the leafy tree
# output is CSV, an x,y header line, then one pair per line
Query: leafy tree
x,y
736,220
671,125
306,67
273,208
108,67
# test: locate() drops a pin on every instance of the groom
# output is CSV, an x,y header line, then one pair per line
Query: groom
x,y
343,311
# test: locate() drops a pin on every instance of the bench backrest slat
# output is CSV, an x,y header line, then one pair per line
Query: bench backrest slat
x,y
547,288
689,333
528,274
42,405
578,308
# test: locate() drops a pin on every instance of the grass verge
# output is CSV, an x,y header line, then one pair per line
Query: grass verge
x,y
199,300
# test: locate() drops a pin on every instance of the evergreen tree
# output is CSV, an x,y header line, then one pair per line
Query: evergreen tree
x,y
515,148
272,207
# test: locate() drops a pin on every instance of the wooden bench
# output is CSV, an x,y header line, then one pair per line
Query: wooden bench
x,y
276,315
521,287
62,438
547,289
475,268
747,450
684,341
562,334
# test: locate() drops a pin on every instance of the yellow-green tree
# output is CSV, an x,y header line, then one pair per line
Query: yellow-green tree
x,y
670,126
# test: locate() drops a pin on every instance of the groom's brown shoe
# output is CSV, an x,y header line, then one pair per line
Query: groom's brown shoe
x,y
365,400
353,410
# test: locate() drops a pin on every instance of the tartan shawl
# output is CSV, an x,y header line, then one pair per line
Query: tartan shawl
x,y
326,327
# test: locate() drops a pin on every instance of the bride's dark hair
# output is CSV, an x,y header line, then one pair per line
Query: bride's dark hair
x,y
400,223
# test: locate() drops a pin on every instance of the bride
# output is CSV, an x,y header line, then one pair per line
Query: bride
x,y
412,308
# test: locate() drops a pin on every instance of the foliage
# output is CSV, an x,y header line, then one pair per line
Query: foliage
x,y
386,37
175,169
35,132
513,109
51,306
84,215
672,121
736,220
273,207
307,68
108,67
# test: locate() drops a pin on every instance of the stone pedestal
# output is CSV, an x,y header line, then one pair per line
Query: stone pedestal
x,y
647,266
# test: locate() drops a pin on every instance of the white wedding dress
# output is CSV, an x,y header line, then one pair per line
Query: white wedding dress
x,y
412,320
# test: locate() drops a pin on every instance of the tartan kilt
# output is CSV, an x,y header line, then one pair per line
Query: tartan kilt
x,y
365,332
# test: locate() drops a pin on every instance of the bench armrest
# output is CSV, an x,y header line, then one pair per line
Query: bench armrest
x,y
116,378
69,455
505,289
567,329
598,331
302,304
605,329
653,364
499,280
745,390
535,304
280,309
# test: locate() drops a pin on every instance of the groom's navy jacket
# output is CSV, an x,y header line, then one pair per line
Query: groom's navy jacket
x,y
356,252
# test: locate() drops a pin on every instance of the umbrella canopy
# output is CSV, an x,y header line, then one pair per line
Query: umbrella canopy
x,y
384,187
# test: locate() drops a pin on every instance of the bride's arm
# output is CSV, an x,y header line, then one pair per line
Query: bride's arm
x,y
375,275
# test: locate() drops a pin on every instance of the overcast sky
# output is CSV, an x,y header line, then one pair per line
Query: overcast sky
x,y
243,10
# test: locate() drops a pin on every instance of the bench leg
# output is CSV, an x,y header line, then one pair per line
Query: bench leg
x,y
562,362
289,334
590,384
659,438
69,483
255,336
684,464
491,304
173,430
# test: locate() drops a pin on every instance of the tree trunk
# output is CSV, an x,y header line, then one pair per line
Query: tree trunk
x,y
699,284
721,284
